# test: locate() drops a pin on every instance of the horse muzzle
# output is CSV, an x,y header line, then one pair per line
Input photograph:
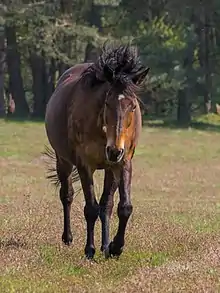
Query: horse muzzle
x,y
113,154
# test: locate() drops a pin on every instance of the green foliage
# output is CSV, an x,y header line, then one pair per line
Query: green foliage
x,y
42,28
166,33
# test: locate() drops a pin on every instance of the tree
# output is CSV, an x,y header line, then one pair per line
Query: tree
x,y
2,61
16,87
47,37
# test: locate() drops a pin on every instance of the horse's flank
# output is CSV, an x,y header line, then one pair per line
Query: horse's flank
x,y
56,119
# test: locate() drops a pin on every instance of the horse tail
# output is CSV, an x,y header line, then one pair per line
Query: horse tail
x,y
52,175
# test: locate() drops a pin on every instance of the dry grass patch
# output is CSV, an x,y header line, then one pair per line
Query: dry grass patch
x,y
172,240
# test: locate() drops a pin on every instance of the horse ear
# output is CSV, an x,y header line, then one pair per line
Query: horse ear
x,y
109,73
139,77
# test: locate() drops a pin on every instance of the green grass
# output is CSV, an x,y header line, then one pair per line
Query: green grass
x,y
15,284
172,237
14,134
198,223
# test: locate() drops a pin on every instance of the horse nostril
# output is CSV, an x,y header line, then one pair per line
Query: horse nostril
x,y
113,154
121,151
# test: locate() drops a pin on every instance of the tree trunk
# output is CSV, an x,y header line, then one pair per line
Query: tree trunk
x,y
38,68
66,6
184,95
66,9
2,61
206,38
183,109
207,69
91,53
93,17
16,87
62,67
51,76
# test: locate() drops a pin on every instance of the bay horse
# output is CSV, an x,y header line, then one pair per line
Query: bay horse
x,y
93,122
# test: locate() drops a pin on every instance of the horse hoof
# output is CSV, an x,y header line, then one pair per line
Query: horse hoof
x,y
89,252
114,250
105,250
89,257
67,238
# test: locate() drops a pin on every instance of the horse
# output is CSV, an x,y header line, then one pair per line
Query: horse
x,y
93,122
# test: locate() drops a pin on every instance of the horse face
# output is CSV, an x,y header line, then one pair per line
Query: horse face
x,y
118,117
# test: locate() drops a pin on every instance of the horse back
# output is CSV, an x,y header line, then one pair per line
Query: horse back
x,y
72,73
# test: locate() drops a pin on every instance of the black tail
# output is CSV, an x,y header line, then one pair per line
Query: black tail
x,y
52,171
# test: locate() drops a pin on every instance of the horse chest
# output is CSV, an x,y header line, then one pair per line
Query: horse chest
x,y
92,152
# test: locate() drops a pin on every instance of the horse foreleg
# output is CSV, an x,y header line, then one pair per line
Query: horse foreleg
x,y
91,209
124,209
64,170
106,206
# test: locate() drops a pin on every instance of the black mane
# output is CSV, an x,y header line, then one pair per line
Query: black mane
x,y
116,65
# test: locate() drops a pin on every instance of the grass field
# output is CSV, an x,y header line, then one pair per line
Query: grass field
x,y
173,237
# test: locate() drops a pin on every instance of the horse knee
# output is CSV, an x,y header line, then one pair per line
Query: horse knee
x,y
91,212
105,211
64,170
124,210
66,195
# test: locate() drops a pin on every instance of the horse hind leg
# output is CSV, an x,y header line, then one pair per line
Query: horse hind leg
x,y
64,172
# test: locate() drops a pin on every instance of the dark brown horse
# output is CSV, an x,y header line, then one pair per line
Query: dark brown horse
x,y
93,121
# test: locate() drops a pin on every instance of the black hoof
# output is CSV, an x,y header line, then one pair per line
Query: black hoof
x,y
89,252
114,250
105,250
67,238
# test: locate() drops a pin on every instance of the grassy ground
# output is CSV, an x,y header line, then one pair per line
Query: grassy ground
x,y
172,240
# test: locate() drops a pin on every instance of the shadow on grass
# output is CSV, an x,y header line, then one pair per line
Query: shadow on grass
x,y
173,125
12,243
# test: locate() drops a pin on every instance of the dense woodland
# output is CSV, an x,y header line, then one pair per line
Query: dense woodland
x,y
178,40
